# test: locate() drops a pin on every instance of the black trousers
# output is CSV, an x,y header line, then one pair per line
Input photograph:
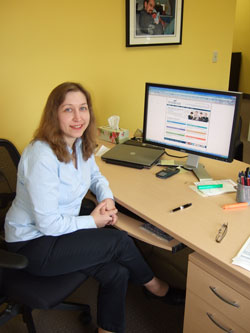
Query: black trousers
x,y
108,255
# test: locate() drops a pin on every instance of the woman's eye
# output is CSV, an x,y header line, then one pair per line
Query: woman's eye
x,y
83,108
68,110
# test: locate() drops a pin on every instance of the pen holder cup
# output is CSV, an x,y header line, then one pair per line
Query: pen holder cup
x,y
243,193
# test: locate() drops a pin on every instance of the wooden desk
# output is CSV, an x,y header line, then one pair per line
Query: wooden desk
x,y
153,198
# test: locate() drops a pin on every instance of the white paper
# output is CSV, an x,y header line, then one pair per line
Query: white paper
x,y
243,257
114,122
168,162
101,150
171,163
228,186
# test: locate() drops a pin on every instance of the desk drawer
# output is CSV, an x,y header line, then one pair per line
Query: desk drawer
x,y
219,295
201,317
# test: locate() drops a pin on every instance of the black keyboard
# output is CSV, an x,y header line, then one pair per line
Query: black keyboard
x,y
158,232
141,144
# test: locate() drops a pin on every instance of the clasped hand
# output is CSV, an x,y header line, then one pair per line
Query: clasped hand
x,y
105,213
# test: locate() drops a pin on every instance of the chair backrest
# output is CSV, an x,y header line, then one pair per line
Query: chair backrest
x,y
9,159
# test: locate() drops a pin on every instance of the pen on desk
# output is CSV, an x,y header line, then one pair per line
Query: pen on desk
x,y
181,207
235,205
205,187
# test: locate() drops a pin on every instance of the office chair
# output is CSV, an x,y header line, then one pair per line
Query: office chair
x,y
21,292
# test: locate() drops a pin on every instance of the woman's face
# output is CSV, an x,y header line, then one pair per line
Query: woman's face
x,y
73,116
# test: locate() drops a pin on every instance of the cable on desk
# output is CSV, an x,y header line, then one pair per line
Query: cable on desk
x,y
175,156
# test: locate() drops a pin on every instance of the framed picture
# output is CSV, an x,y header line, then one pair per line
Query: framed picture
x,y
152,22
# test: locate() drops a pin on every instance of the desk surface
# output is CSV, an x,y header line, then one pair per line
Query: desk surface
x,y
153,198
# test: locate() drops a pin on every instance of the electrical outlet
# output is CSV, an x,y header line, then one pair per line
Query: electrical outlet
x,y
215,56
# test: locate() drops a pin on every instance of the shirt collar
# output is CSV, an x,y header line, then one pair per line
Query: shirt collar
x,y
78,143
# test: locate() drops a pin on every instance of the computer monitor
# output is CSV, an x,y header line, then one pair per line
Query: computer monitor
x,y
196,121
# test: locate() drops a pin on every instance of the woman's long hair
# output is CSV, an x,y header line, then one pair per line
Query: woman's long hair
x,y
49,129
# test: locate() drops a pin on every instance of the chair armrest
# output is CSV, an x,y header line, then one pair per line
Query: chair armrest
x,y
12,260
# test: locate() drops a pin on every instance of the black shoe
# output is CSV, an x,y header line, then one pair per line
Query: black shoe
x,y
174,296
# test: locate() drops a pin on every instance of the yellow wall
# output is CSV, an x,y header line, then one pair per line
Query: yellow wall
x,y
44,43
241,42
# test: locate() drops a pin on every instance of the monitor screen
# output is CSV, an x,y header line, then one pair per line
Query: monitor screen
x,y
196,121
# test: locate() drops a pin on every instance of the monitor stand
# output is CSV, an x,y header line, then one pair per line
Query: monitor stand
x,y
198,169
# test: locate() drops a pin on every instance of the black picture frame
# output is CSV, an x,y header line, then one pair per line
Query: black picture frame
x,y
161,27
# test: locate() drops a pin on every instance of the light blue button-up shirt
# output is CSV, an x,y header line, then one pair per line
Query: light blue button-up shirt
x,y
49,194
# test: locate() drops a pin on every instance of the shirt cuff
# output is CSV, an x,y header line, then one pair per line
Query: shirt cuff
x,y
86,222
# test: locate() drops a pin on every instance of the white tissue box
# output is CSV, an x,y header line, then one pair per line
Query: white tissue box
x,y
115,136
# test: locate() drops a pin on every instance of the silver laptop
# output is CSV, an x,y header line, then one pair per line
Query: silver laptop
x,y
133,156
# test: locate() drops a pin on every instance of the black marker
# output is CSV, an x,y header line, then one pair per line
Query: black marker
x,y
181,207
